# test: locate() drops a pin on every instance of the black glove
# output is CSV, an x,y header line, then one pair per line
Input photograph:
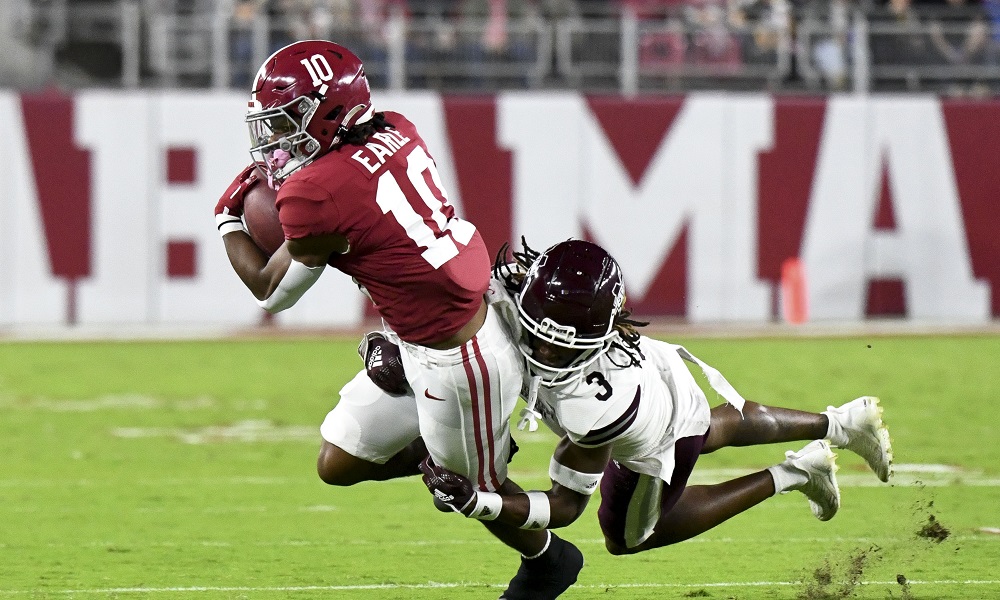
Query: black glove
x,y
384,363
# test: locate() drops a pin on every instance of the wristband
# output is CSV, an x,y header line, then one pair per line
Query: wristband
x,y
581,483
488,506
228,223
539,511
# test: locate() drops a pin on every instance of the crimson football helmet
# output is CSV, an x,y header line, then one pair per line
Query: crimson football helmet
x,y
570,298
304,98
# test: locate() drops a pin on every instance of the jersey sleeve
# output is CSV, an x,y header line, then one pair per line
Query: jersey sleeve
x,y
603,408
305,209
612,425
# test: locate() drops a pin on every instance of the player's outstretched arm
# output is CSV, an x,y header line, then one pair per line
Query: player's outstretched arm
x,y
575,471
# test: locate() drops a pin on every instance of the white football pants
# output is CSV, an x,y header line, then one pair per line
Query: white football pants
x,y
461,406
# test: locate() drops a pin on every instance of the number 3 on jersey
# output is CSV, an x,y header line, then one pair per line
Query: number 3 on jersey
x,y
423,177
598,378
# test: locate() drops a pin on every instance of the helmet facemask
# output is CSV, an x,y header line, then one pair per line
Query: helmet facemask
x,y
569,300
548,331
279,139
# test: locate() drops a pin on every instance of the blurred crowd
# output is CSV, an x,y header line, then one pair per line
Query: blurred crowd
x,y
491,44
481,34
713,37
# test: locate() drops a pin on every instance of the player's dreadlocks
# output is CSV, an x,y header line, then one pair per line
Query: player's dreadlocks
x,y
359,134
511,273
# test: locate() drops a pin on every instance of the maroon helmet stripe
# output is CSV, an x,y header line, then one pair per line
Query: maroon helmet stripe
x,y
599,437
474,392
488,409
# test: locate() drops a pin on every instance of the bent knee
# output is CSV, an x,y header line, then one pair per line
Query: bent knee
x,y
331,475
336,467
654,541
335,477
615,548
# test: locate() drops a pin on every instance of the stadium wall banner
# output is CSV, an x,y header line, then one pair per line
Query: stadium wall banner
x,y
891,203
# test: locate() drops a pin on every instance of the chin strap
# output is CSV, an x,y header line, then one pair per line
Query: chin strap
x,y
530,416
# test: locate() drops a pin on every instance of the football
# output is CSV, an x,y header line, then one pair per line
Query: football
x,y
260,216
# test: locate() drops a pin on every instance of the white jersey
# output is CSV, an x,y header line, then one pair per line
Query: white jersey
x,y
642,410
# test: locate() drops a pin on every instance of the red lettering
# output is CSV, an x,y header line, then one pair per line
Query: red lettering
x,y
62,175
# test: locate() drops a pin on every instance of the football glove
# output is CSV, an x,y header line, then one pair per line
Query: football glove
x,y
451,491
229,208
384,363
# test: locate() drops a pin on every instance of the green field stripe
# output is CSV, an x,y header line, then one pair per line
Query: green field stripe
x,y
365,542
434,585
910,475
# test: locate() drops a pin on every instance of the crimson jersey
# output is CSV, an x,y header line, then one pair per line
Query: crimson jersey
x,y
425,269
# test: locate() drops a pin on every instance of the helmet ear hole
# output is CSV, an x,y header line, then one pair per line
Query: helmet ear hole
x,y
333,114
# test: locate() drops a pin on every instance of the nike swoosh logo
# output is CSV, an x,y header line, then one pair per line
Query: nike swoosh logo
x,y
428,393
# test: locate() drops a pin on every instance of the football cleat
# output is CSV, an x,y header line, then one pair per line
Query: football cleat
x,y
549,575
858,427
818,463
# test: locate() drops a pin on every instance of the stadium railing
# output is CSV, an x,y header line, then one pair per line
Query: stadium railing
x,y
702,46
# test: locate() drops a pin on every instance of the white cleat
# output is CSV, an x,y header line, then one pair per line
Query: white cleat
x,y
858,427
819,464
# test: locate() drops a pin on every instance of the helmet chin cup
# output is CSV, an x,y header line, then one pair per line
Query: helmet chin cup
x,y
551,376
589,351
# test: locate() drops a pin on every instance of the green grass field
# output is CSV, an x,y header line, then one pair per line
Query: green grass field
x,y
186,470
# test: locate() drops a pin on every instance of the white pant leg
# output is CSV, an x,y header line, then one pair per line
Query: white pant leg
x,y
465,397
369,423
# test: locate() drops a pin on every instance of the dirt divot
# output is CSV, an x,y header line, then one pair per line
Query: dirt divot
x,y
838,580
933,530
904,587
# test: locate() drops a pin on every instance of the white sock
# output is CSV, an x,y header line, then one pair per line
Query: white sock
x,y
787,478
548,542
835,431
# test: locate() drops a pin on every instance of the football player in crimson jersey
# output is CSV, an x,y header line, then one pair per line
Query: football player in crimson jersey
x,y
358,191
633,420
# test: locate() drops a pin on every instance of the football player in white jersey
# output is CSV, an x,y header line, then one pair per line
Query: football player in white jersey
x,y
633,420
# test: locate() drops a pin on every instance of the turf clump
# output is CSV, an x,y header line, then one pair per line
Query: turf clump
x,y
838,581
934,530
